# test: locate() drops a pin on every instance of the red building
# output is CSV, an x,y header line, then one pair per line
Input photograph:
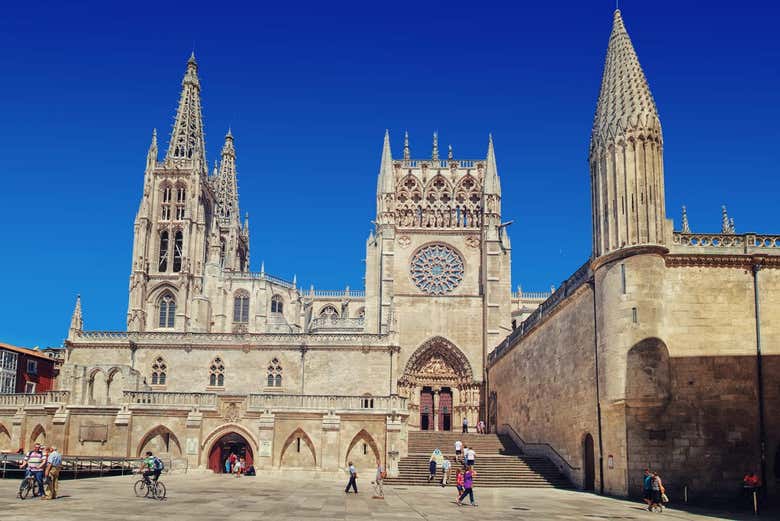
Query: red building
x,y
25,370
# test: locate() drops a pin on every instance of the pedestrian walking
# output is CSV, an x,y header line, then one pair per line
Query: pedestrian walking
x,y
379,480
481,427
52,472
465,425
227,465
471,457
352,479
658,493
468,487
459,482
458,450
445,467
432,466
647,487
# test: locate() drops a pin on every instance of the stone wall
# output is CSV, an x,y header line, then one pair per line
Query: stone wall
x,y
544,386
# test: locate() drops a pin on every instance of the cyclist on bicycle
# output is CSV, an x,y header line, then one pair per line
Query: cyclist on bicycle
x,y
151,466
35,462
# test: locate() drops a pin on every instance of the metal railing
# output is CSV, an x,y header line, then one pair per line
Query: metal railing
x,y
75,467
566,289
323,402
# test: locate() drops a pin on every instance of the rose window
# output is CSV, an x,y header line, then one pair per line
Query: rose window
x,y
437,269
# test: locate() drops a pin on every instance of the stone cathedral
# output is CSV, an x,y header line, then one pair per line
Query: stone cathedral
x,y
659,351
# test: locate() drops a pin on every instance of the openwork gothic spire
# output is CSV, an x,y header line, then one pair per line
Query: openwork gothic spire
x,y
76,320
187,140
225,184
625,102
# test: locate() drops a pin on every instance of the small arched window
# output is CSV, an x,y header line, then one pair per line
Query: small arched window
x,y
167,310
162,264
277,305
159,371
217,373
274,373
329,312
241,307
178,244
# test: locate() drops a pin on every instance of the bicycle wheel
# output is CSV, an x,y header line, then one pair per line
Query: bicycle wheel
x,y
140,488
25,488
160,493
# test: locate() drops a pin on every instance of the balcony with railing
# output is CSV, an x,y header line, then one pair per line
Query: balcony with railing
x,y
337,324
327,403
157,399
48,398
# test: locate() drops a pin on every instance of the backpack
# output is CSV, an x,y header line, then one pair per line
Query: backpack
x,y
158,464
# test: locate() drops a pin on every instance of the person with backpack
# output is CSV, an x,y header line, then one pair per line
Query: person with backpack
x,y
153,465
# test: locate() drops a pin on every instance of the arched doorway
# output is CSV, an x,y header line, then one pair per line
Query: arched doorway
x,y
230,443
588,463
439,383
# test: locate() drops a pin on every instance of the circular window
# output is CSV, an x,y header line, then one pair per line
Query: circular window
x,y
437,269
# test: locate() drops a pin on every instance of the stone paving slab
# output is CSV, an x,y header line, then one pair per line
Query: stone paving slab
x,y
203,496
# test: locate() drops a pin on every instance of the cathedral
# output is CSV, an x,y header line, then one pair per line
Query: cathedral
x,y
658,351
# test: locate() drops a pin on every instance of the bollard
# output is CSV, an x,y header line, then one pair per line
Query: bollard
x,y
685,493
755,503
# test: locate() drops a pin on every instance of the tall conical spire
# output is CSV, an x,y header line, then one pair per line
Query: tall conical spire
x,y
435,153
187,140
625,101
626,154
407,155
225,184
685,226
492,183
386,181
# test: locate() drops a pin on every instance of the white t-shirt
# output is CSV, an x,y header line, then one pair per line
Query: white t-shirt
x,y
458,445
470,454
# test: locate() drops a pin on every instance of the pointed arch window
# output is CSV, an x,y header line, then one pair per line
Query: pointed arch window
x,y
274,378
217,373
277,305
165,213
167,310
159,371
162,263
241,307
178,244
181,195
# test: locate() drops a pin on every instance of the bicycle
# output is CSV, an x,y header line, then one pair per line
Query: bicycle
x,y
29,484
145,487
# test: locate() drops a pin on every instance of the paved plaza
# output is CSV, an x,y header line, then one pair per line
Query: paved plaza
x,y
202,496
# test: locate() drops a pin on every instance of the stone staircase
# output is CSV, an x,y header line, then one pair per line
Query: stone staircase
x,y
499,462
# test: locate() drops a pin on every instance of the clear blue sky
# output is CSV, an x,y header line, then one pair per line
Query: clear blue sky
x,y
309,90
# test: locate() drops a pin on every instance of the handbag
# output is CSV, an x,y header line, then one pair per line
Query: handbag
x,y
664,497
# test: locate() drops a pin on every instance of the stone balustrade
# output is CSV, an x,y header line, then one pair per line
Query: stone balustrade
x,y
531,295
440,163
167,399
247,275
324,403
743,243
337,293
23,400
337,324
